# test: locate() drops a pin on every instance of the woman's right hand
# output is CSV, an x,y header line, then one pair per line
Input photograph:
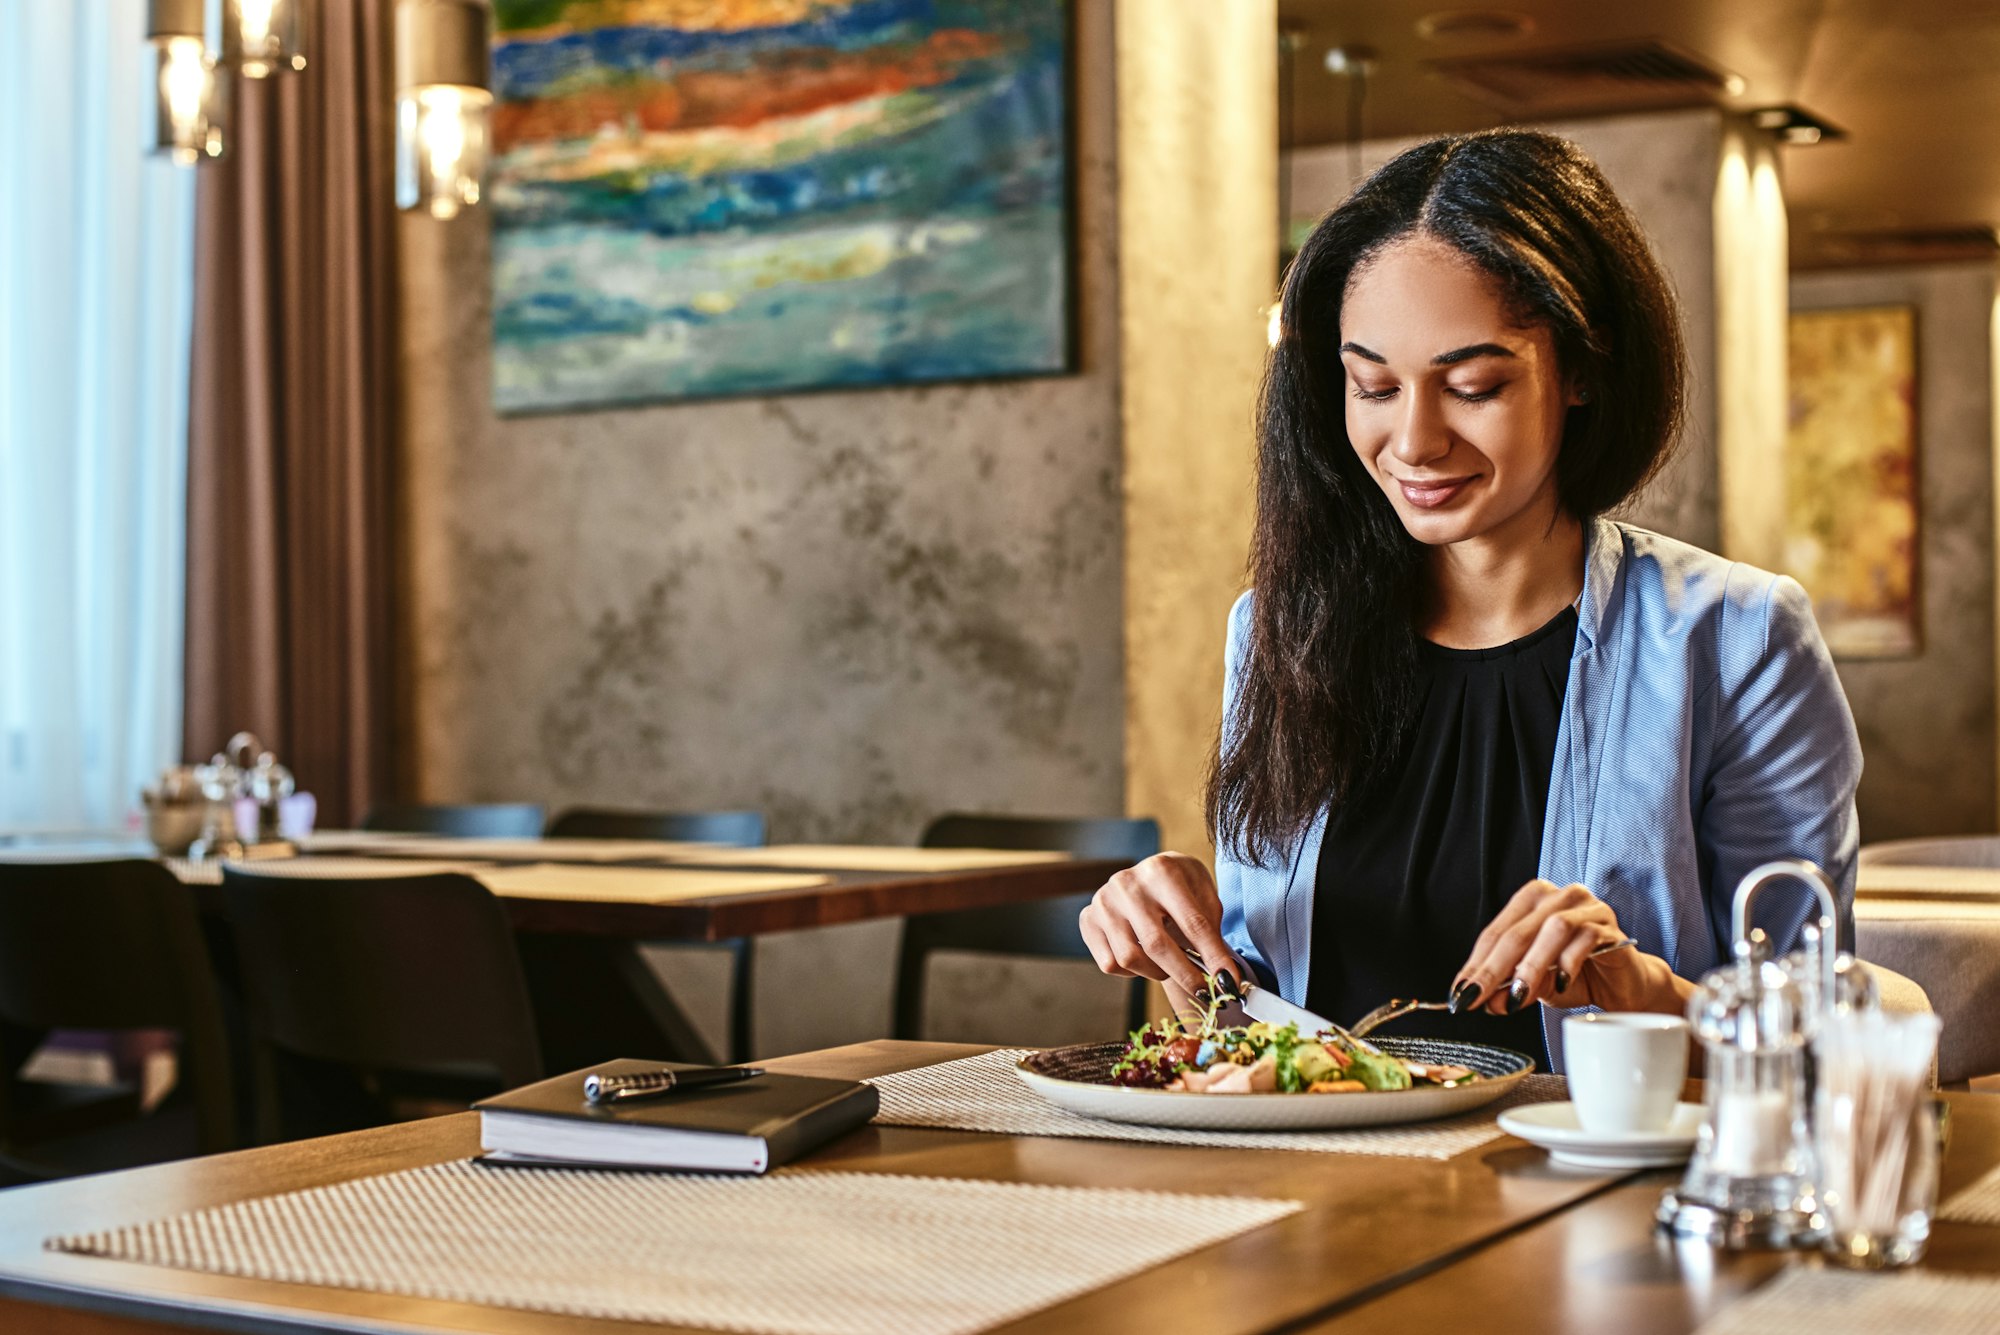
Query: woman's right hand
x,y
1138,922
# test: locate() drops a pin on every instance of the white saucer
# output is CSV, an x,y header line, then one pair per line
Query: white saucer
x,y
1553,1126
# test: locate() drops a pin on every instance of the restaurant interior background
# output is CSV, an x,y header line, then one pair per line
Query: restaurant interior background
x,y
854,610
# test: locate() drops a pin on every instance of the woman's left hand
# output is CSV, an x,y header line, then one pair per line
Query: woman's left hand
x,y
1538,949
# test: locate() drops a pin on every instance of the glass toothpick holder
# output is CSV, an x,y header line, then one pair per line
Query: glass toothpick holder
x,y
1751,1182
1876,1136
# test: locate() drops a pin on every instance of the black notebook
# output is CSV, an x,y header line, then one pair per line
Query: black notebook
x,y
746,1126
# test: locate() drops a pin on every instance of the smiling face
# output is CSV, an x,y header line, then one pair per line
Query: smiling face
x,y
1454,409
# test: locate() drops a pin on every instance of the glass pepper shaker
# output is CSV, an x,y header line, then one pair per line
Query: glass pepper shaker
x,y
1751,1182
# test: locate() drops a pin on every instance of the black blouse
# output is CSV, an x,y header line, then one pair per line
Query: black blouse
x,y
1407,879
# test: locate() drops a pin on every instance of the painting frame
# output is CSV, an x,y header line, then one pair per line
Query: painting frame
x,y
1854,529
1066,287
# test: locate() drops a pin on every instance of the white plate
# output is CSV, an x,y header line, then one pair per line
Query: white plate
x,y
1554,1127
1092,1097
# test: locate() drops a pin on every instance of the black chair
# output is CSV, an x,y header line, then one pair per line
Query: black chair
x,y
1047,928
361,989
107,945
501,820
738,829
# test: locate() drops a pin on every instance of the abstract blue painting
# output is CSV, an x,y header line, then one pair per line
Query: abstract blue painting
x,y
708,197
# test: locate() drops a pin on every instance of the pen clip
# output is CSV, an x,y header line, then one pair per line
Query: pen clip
x,y
601,1090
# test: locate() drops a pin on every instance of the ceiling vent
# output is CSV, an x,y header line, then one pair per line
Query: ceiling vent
x,y
1624,76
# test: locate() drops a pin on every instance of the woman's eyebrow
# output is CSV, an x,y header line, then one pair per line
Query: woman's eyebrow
x,y
1466,354
1452,358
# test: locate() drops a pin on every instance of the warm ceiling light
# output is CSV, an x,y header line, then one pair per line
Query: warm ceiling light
x,y
1474,25
441,104
261,37
190,94
1350,60
1794,125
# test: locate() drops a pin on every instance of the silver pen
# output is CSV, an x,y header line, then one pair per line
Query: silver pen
x,y
631,1086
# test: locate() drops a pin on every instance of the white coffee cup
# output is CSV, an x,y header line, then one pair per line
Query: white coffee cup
x,y
1625,1069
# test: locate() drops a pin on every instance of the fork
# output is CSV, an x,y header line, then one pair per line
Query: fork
x,y
1392,1010
1396,1010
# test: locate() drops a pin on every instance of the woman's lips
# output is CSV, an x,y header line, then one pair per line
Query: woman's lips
x,y
1430,495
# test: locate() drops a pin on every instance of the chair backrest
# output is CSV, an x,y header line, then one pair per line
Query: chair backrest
x,y
739,829
1129,839
1046,927
397,973
115,945
499,820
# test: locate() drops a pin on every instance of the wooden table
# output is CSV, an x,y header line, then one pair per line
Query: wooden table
x,y
596,998
1601,1265
581,948
844,896
1493,1240
1371,1222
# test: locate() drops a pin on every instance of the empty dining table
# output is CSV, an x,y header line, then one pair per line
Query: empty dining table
x,y
694,892
580,914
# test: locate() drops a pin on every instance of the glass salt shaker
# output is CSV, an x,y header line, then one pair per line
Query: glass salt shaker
x,y
1751,1181
221,783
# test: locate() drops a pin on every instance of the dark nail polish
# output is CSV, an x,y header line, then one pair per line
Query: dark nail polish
x,y
1227,982
1562,979
1463,998
1517,995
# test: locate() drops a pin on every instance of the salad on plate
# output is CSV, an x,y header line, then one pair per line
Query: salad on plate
x,y
1198,1054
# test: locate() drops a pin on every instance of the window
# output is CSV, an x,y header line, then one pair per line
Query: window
x,y
96,279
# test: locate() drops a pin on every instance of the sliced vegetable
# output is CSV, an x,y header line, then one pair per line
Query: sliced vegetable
x,y
1196,1053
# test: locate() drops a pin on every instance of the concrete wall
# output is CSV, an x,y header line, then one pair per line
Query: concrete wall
x,y
1927,722
856,611
1664,166
853,611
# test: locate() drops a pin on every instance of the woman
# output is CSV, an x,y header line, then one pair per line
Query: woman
x,y
1474,730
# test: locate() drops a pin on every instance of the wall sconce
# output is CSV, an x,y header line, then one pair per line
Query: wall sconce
x,y
191,93
442,102
261,37
1795,125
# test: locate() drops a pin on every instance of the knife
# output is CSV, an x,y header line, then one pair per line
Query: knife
x,y
1260,1003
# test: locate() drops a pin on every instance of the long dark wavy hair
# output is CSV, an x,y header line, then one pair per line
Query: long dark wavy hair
x,y
1323,696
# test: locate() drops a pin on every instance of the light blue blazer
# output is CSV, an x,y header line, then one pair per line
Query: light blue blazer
x,y
1703,733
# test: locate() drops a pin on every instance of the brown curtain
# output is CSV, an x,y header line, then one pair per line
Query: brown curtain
x,y
292,430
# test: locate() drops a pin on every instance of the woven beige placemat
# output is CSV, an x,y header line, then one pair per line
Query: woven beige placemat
x,y
499,849
189,872
1976,1204
861,857
637,885
320,868
798,1253
595,884
1810,1300
983,1093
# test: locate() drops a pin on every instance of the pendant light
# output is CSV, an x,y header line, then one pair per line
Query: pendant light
x,y
442,101
261,37
191,93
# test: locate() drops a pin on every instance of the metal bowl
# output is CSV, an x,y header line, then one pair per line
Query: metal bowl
x,y
172,827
